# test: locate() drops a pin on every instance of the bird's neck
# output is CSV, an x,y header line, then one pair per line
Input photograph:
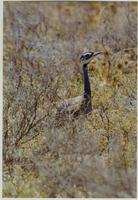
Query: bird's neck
x,y
87,87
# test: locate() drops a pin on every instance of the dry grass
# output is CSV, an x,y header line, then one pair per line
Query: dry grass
x,y
93,156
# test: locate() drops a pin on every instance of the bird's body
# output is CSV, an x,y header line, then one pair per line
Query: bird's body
x,y
69,107
73,107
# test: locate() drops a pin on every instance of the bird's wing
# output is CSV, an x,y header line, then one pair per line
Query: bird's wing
x,y
70,105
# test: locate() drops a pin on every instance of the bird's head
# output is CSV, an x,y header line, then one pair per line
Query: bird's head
x,y
85,58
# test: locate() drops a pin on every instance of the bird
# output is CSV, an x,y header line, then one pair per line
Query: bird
x,y
73,107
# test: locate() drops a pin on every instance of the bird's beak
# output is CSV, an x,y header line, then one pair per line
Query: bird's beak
x,y
97,53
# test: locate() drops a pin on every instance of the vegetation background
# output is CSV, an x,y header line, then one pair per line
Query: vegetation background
x,y
93,156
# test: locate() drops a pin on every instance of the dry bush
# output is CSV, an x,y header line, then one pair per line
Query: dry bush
x,y
93,156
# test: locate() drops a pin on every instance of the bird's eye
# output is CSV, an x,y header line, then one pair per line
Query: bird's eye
x,y
87,56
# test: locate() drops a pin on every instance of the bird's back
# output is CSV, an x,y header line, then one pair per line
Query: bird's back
x,y
71,108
